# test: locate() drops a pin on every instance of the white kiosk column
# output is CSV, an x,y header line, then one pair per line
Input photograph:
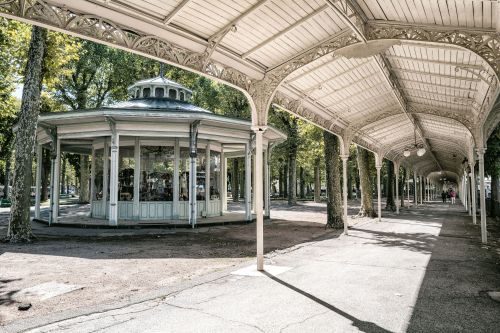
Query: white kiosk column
x,y
396,171
345,158
267,181
113,181
259,183
378,166
224,185
482,195
223,181
137,178
39,157
473,190
92,182
175,187
207,178
105,178
56,184
193,153
248,178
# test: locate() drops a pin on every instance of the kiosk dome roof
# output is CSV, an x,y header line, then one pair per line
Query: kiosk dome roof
x,y
159,81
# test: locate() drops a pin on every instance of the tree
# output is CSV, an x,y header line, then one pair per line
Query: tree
x,y
363,159
390,204
492,168
19,224
402,186
289,124
14,39
310,155
334,207
317,179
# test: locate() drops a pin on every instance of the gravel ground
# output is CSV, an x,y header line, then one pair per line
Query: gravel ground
x,y
114,268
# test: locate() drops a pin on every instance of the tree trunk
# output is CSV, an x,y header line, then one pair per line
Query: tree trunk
x,y
19,223
494,196
334,207
84,179
235,187
302,184
280,180
358,191
317,180
6,193
390,204
292,177
402,188
365,184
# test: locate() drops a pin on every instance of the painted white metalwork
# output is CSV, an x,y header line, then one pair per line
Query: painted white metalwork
x,y
259,131
344,158
38,178
482,195
137,178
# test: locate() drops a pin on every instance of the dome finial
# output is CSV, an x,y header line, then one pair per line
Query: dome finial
x,y
162,70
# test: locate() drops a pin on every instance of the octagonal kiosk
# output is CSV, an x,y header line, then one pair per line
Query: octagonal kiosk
x,y
155,157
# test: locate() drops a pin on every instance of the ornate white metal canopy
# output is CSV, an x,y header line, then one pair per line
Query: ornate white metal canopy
x,y
369,70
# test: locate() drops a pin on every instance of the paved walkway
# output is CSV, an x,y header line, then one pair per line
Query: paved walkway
x,y
424,271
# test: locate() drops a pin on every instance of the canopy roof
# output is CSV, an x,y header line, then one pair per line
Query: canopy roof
x,y
164,104
370,71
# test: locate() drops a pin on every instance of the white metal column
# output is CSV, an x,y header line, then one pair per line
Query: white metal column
x,y
175,187
422,189
415,189
267,182
56,188
224,186
192,191
113,181
396,171
92,181
469,195
344,190
248,176
482,195
378,166
223,180
105,177
259,182
137,178
473,191
39,158
254,166
207,177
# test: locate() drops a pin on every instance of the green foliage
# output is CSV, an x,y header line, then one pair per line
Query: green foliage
x,y
100,75
492,156
14,38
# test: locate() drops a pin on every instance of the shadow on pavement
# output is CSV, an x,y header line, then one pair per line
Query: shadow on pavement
x,y
421,242
453,294
364,326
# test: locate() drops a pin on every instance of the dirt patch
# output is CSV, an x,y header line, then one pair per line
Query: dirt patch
x,y
111,269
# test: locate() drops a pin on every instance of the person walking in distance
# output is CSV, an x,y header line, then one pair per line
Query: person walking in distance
x,y
443,196
453,195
